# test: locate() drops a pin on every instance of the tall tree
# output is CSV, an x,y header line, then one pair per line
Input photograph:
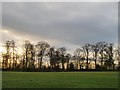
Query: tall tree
x,y
67,58
78,56
41,48
102,47
52,56
86,50
109,51
95,49
32,57
28,54
62,51
13,54
7,55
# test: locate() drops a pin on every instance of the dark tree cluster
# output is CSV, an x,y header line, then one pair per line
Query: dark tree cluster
x,y
43,57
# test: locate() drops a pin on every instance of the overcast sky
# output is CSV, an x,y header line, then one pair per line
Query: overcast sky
x,y
60,24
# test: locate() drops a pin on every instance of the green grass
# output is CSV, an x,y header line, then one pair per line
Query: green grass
x,y
60,79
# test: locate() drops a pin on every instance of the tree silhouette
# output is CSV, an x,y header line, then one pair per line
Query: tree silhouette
x,y
95,49
67,59
86,50
32,57
78,56
109,50
52,57
14,55
41,48
29,55
102,46
7,55
62,51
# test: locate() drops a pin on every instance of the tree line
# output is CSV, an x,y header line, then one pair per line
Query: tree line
x,y
98,56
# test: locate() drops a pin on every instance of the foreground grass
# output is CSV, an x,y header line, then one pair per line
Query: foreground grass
x,y
60,79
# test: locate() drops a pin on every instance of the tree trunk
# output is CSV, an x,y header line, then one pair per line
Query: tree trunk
x,y
13,66
63,64
40,63
87,61
95,60
26,60
101,60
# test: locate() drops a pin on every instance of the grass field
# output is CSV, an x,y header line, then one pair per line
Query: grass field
x,y
60,79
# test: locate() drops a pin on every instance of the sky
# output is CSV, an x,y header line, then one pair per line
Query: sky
x,y
61,24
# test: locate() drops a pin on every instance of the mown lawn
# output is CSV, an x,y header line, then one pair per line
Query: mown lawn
x,y
60,79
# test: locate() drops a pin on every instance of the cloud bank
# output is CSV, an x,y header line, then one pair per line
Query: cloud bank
x,y
60,24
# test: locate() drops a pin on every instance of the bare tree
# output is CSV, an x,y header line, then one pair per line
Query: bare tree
x,y
62,51
14,54
86,50
102,47
41,48
52,56
109,51
67,58
7,55
32,57
95,49
78,56
28,49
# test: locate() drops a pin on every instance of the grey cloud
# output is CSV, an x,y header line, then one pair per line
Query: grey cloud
x,y
74,23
